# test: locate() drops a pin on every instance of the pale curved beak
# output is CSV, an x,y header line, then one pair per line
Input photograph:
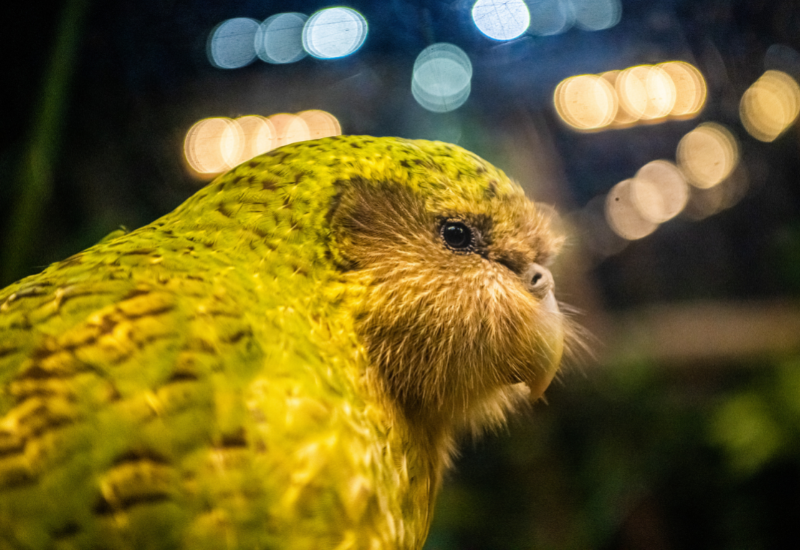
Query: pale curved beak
x,y
549,302
553,334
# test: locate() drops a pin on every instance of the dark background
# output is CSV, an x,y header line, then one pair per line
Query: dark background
x,y
681,433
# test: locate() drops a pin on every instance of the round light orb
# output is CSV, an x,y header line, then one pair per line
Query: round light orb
x,y
440,102
259,136
213,145
622,118
334,32
770,105
279,38
707,155
501,19
231,44
631,88
550,17
289,128
596,15
690,88
232,143
586,102
320,124
441,77
660,93
622,215
659,191
646,92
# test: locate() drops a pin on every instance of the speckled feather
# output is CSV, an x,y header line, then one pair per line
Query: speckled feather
x,y
202,382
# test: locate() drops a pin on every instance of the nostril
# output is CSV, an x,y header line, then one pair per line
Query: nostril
x,y
540,279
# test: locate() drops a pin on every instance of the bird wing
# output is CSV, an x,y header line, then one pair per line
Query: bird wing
x,y
104,367
150,399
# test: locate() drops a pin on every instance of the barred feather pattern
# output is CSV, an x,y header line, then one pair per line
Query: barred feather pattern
x,y
285,361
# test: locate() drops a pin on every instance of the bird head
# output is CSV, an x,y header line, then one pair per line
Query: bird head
x,y
448,263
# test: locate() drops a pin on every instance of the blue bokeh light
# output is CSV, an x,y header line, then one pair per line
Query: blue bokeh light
x,y
501,19
334,32
550,17
596,15
230,44
280,38
441,77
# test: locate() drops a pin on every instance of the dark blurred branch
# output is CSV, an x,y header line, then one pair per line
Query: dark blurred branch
x,y
702,332
35,172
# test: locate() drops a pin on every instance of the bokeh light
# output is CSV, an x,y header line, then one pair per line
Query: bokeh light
x,y
690,88
586,102
231,44
214,145
279,38
596,15
441,77
550,17
659,191
660,93
770,105
707,155
623,118
334,32
501,19
258,135
320,124
622,214
645,93
632,92
706,202
289,128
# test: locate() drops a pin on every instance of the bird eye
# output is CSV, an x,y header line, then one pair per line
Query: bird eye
x,y
457,235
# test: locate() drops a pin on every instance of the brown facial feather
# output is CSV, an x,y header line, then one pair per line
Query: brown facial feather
x,y
451,332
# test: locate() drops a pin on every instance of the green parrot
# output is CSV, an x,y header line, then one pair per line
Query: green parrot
x,y
287,360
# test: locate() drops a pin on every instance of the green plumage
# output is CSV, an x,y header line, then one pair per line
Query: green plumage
x,y
201,382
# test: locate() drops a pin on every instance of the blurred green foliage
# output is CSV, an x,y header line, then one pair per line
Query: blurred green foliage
x,y
637,457
760,424
37,165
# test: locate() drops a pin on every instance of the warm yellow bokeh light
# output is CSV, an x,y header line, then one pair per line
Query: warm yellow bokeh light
x,y
645,92
622,214
623,117
632,92
690,88
259,137
320,124
232,144
289,129
770,105
659,191
586,102
705,202
212,144
707,155
660,93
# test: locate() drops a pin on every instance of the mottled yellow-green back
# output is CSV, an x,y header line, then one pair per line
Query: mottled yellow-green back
x,y
197,383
